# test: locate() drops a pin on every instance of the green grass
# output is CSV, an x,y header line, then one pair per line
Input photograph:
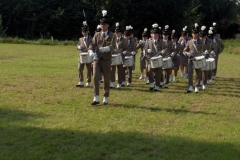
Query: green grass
x,y
44,116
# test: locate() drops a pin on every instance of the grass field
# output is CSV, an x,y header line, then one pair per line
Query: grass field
x,y
44,116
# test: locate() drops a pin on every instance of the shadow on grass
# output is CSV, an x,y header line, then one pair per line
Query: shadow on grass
x,y
155,109
26,142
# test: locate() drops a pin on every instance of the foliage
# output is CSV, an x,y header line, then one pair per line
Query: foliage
x,y
62,19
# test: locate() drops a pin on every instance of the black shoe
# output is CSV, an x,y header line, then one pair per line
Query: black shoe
x,y
189,91
112,87
95,102
150,88
101,81
79,85
104,103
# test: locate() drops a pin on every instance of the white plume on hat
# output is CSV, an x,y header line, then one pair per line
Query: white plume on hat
x,y
104,12
145,30
196,25
117,24
214,23
155,25
211,28
160,28
173,31
166,27
184,29
84,23
98,26
128,27
131,27
203,28
210,32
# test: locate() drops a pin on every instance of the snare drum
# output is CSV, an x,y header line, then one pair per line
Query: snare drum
x,y
207,67
199,62
128,61
116,59
85,58
167,63
212,63
156,62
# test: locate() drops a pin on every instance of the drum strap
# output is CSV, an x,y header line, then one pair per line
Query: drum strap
x,y
84,41
195,46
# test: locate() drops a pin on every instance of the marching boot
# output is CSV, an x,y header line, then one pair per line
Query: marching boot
x,y
95,100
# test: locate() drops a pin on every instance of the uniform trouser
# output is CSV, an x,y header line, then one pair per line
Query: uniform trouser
x,y
120,72
80,71
129,69
103,66
134,61
147,68
190,75
210,75
216,63
167,73
205,77
154,74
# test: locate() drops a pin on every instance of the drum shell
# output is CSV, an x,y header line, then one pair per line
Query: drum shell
x,y
199,62
167,63
128,61
85,58
116,59
156,62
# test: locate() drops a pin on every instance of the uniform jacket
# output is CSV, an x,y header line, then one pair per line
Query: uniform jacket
x,y
85,44
193,50
99,41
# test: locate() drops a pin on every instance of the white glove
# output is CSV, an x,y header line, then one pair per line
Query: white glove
x,y
172,54
141,41
106,49
79,47
178,55
188,54
206,52
163,51
124,52
90,52
182,43
212,53
149,50
101,49
133,53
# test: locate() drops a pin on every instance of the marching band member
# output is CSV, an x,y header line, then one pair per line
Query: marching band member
x,y
83,45
184,59
206,49
167,50
102,45
175,55
220,47
120,47
143,44
98,29
130,51
192,49
154,48
135,39
210,36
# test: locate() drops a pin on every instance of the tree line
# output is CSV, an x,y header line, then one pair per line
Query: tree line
x,y
62,19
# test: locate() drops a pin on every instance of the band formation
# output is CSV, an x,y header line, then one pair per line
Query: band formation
x,y
162,55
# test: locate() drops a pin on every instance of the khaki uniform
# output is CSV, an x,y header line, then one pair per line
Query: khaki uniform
x,y
177,48
130,47
219,49
84,43
168,50
183,58
194,52
104,60
154,74
120,47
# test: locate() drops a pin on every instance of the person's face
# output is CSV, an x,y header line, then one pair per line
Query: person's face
x,y
202,37
144,38
165,37
184,36
118,34
195,35
104,26
174,39
155,35
85,33
127,37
